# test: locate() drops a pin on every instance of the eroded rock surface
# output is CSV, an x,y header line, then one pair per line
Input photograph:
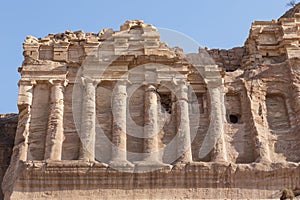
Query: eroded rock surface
x,y
120,114
8,126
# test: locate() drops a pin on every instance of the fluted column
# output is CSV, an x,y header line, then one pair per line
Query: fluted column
x,y
24,105
184,152
119,110
55,131
151,125
88,120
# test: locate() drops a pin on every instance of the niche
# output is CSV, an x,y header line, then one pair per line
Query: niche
x,y
233,108
46,52
104,120
277,114
75,53
166,102
198,103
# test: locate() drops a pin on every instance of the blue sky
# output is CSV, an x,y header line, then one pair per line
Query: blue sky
x,y
213,23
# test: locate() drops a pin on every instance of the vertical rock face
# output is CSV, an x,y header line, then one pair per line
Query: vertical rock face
x,y
8,126
120,110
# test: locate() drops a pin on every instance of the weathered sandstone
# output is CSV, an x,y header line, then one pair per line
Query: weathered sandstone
x,y
119,114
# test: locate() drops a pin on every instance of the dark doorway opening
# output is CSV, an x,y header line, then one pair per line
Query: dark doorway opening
x,y
233,119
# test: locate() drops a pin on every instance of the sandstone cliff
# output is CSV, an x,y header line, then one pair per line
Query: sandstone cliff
x,y
122,115
8,126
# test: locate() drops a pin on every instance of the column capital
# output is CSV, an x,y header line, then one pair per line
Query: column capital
x,y
151,88
27,82
88,80
123,82
180,82
25,92
214,83
181,89
58,82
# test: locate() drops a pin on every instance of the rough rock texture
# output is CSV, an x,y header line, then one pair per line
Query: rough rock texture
x,y
113,115
8,126
229,60
291,12
194,181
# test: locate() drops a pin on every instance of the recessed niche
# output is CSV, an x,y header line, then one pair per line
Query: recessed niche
x,y
75,53
277,114
46,52
233,108
166,102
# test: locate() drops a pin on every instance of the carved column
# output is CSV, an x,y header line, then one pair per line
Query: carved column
x,y
151,125
119,109
215,136
217,95
24,105
55,131
88,120
184,152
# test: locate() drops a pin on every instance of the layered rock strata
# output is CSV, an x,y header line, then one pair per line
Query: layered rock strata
x,y
119,114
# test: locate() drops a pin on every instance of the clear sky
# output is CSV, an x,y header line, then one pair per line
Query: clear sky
x,y
212,23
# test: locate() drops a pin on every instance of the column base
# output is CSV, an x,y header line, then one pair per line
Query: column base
x,y
150,165
180,166
85,155
121,165
87,159
182,162
184,158
263,160
220,161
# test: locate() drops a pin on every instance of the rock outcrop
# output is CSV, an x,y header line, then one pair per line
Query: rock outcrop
x,y
291,12
8,126
119,114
